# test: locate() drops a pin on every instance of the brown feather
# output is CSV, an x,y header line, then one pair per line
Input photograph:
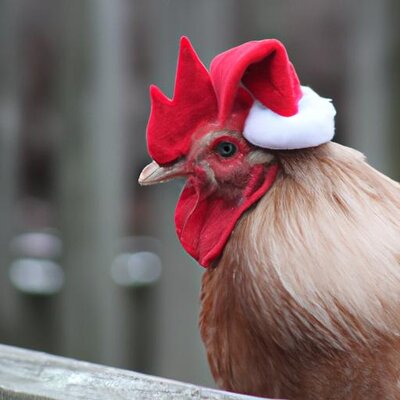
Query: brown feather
x,y
305,301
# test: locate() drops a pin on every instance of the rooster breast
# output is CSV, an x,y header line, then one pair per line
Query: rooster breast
x,y
305,301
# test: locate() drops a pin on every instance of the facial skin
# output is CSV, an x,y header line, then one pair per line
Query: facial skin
x,y
221,160
225,176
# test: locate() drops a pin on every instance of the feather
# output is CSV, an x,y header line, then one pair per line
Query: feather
x,y
304,301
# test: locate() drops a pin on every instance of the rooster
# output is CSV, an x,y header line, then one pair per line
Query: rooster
x,y
299,236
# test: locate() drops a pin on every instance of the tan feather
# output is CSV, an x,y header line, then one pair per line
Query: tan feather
x,y
305,301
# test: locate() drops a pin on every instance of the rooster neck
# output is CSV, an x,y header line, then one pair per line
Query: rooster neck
x,y
308,287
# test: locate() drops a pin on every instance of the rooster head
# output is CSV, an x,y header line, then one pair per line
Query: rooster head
x,y
220,131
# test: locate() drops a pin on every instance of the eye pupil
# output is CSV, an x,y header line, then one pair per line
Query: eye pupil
x,y
226,149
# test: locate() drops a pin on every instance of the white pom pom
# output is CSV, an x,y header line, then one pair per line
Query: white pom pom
x,y
313,125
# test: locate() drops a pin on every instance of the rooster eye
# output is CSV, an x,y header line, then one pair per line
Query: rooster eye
x,y
226,149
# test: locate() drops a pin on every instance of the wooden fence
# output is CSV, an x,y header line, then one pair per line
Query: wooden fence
x,y
26,375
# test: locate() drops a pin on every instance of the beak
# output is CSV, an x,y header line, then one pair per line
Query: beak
x,y
153,173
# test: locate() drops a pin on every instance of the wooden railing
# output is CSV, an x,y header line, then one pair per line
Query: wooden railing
x,y
30,375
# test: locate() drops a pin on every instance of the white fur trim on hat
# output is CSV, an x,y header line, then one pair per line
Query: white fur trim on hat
x,y
313,125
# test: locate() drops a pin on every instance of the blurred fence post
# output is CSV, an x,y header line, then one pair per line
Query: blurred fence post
x,y
90,179
395,88
368,85
9,137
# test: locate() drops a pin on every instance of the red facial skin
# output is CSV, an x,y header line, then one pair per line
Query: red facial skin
x,y
227,175
218,191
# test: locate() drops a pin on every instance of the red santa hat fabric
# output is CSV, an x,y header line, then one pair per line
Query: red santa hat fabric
x,y
264,69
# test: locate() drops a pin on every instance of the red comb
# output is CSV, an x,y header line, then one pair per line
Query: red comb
x,y
172,122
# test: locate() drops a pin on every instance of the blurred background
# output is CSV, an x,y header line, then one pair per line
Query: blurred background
x,y
90,266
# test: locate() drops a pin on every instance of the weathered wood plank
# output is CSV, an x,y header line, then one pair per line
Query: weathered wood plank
x,y
29,375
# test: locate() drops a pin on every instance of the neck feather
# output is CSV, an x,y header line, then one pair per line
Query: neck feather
x,y
319,254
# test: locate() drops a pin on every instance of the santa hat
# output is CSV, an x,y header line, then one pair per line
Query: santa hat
x,y
252,87
284,114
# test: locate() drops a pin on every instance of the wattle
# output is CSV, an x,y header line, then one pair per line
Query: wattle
x,y
205,221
